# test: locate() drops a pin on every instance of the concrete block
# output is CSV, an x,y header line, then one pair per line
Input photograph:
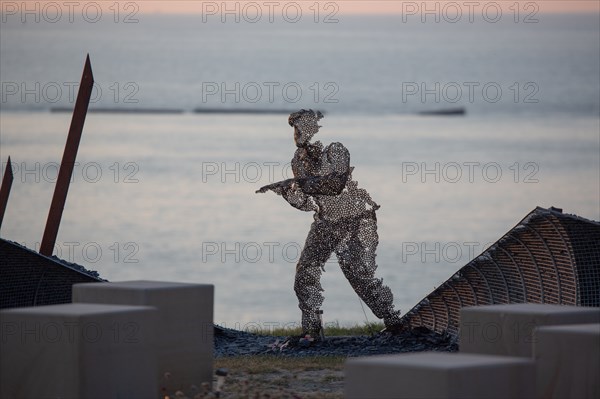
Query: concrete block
x,y
439,375
185,329
78,351
568,361
507,329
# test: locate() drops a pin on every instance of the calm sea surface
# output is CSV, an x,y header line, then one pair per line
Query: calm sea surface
x,y
171,196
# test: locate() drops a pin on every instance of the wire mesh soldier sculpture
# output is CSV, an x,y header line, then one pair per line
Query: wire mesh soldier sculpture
x,y
345,224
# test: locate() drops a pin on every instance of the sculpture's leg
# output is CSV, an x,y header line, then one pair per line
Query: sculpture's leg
x,y
317,249
356,255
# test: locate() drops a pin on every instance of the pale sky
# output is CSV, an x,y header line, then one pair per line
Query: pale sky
x,y
374,7
327,7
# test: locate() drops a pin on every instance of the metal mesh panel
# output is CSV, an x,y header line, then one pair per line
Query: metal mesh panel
x,y
30,279
548,257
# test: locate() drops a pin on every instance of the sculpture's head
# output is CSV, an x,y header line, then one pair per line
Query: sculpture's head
x,y
305,124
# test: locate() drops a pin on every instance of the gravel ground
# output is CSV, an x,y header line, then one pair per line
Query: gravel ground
x,y
298,371
237,343
285,384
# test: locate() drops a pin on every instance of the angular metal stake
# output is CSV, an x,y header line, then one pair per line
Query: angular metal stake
x,y
5,189
68,161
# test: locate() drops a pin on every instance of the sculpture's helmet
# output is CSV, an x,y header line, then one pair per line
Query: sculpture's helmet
x,y
306,124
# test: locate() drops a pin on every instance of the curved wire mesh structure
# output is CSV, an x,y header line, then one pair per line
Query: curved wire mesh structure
x,y
548,257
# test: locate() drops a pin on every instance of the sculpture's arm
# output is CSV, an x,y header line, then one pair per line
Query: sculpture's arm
x,y
276,187
330,184
291,191
336,169
297,198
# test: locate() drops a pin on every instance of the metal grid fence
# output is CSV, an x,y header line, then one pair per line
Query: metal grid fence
x,y
30,279
548,257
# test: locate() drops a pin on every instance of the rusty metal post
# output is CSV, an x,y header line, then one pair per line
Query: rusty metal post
x,y
7,180
68,161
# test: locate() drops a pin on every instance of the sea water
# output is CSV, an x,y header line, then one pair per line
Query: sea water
x,y
171,196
